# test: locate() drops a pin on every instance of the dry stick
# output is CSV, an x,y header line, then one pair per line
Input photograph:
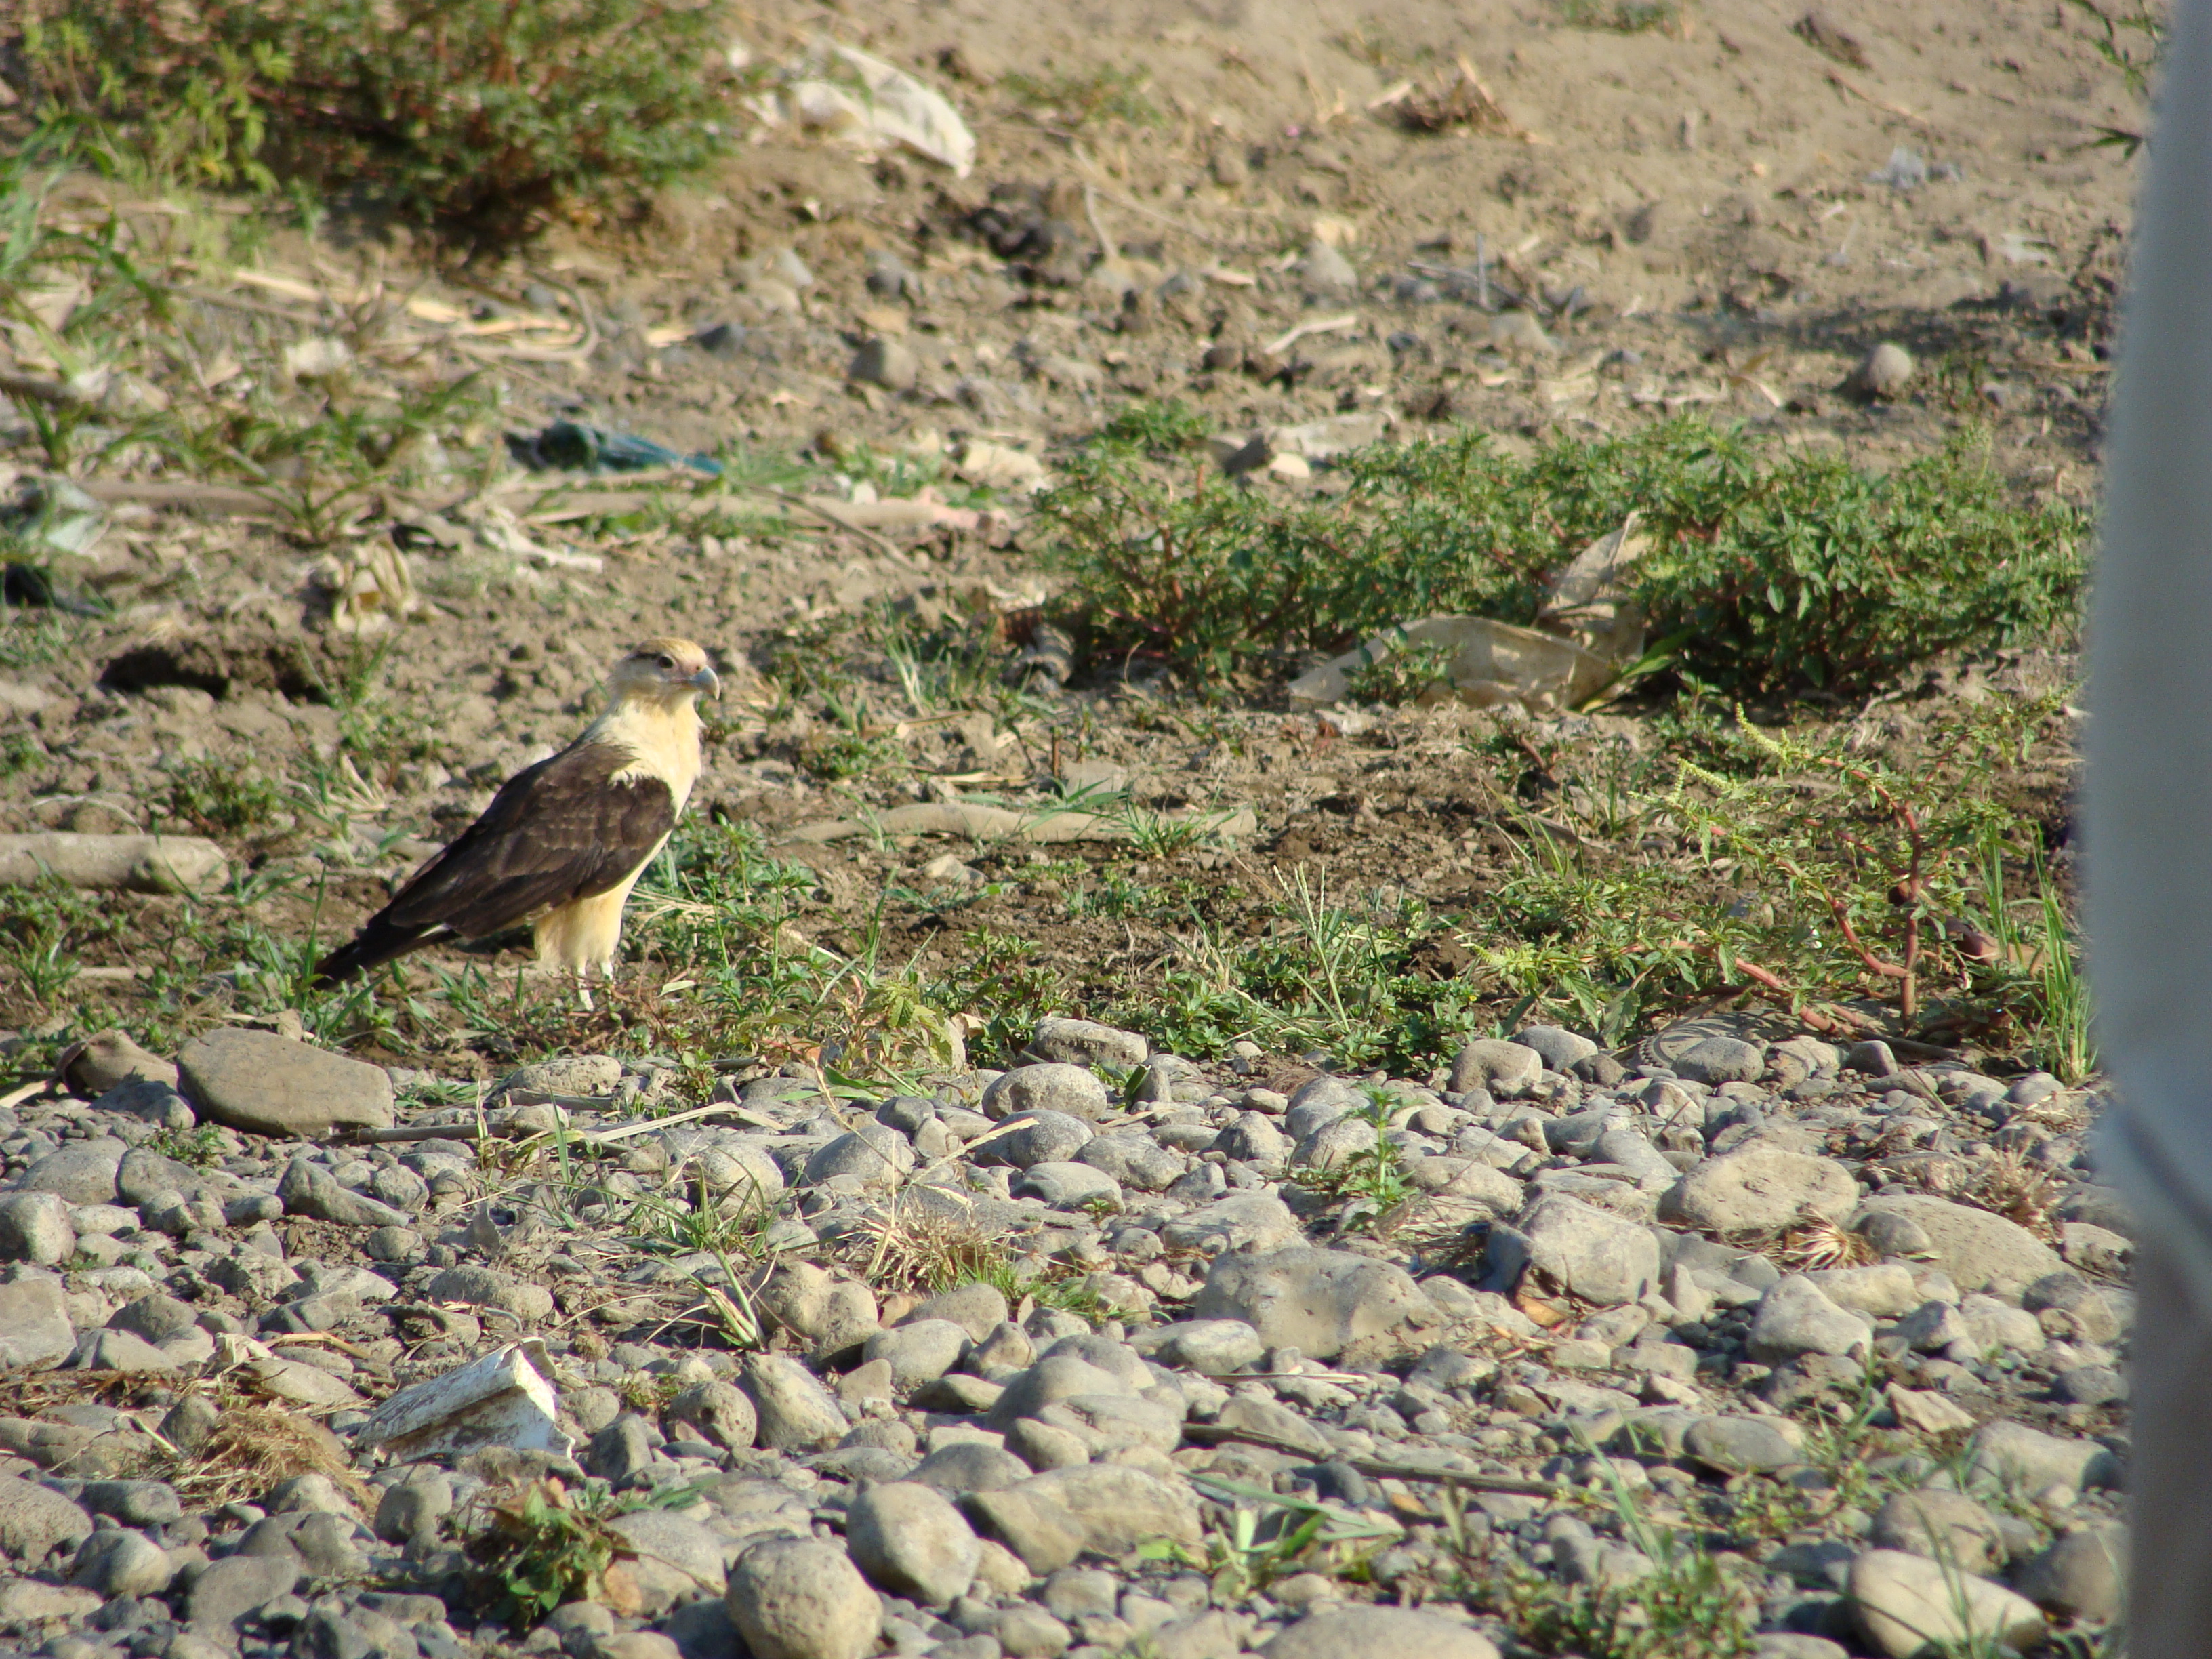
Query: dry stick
x,y
1901,112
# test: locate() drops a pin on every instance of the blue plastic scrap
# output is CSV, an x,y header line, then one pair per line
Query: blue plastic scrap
x,y
571,446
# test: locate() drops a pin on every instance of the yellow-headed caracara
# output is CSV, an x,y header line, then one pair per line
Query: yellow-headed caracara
x,y
564,841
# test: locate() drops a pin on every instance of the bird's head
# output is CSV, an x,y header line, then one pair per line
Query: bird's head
x,y
669,672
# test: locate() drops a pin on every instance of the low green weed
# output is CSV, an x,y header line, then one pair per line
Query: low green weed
x,y
1779,573
544,1545
485,116
1077,100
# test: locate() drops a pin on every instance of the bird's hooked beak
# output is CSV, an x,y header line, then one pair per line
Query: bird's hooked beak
x,y
707,680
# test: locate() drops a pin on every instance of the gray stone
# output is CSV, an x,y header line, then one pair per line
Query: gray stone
x,y
970,1465
1880,1290
1940,1524
621,1450
2031,1460
1069,1186
1336,1144
1319,1302
794,1410
802,1599
1255,1139
1254,1222
271,1085
1054,1378
909,1539
1760,1188
490,1287
1975,1248
35,1521
106,1061
2091,1312
1325,274
35,1326
82,1174
119,1351
158,1318
918,1352
1735,1444
886,362
151,1102
412,1507
570,1074
1592,1253
1031,1138
1372,1633
1885,371
144,1175
1507,1070
1085,1042
1047,1088
978,1310
1136,1161
675,1558
1903,1602
2082,1576
719,1413
1040,1530
1560,1047
1118,1506
2091,1385
35,1227
309,1189
121,1562
831,1314
134,1503
1718,1059
1211,1347
1795,1319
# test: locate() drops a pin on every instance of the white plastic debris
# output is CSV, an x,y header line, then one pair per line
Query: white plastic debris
x,y
504,1399
1589,632
877,105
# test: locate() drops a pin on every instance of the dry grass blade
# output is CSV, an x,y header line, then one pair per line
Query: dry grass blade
x,y
1464,102
1815,1245
254,1448
907,1247
2006,1184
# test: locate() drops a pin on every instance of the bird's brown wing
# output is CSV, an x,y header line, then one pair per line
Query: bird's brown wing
x,y
556,832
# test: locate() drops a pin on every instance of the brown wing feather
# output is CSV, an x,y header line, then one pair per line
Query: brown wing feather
x,y
556,832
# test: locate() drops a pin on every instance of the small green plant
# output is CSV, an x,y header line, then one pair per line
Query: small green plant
x,y
1267,1536
1403,675
1623,16
198,1146
546,1545
222,800
1371,1183
1688,1602
488,116
1770,572
2137,62
1076,100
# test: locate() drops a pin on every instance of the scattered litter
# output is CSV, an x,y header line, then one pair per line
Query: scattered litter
x,y
1464,102
571,446
369,589
2015,248
875,106
1283,341
503,1399
316,358
1589,632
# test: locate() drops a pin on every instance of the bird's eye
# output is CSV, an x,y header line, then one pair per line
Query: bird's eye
x,y
666,661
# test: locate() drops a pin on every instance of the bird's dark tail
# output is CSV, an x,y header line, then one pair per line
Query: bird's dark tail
x,y
379,942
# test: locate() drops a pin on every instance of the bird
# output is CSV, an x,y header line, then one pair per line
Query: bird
x,y
564,841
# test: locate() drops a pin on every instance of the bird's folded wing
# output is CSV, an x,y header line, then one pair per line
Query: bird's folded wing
x,y
556,832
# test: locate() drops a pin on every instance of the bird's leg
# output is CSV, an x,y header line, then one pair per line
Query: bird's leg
x,y
584,988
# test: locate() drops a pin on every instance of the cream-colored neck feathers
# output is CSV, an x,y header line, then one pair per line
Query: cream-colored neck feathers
x,y
656,733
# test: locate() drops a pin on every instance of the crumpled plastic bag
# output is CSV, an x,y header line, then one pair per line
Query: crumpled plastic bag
x,y
570,446
1587,632
877,105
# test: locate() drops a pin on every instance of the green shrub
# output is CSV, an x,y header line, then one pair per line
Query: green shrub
x,y
1777,572
486,114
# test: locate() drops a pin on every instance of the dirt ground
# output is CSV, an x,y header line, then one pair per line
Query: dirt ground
x,y
1722,212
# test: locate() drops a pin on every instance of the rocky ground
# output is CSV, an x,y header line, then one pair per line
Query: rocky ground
x,y
1027,1365
791,1334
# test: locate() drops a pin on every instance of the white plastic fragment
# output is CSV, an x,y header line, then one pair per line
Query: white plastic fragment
x,y
876,104
503,1399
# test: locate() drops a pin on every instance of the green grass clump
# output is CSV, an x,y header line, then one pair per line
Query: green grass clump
x,y
1768,572
489,115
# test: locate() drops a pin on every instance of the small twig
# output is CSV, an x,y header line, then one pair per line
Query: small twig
x,y
1902,114
1285,340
